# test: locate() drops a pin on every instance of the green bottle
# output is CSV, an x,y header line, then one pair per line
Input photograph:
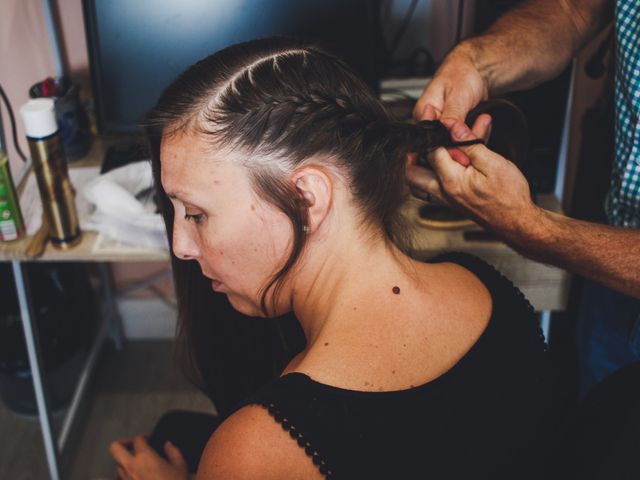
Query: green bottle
x,y
11,223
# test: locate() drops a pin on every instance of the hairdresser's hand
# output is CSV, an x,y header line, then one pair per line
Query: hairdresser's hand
x,y
138,461
424,183
492,189
456,88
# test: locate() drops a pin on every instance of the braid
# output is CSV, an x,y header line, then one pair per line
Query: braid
x,y
268,118
422,137
316,102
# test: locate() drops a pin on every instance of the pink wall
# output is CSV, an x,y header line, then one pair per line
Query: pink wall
x,y
26,57
73,39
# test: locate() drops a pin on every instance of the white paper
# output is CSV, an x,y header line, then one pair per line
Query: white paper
x,y
124,224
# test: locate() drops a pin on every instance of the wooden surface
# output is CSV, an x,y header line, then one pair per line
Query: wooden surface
x,y
83,252
546,287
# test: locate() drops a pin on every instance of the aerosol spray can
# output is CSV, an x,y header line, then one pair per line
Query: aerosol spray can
x,y
11,223
50,167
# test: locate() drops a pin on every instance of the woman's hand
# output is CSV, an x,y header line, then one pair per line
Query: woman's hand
x,y
138,461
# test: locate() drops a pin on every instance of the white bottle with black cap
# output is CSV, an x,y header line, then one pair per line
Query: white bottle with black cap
x,y
50,167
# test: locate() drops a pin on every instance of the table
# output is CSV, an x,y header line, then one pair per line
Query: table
x,y
545,286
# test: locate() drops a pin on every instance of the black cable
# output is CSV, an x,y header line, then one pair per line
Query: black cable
x,y
12,119
403,27
460,20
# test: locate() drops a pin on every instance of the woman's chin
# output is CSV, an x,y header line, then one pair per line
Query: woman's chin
x,y
244,307
251,307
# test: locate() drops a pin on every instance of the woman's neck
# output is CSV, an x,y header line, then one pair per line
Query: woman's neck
x,y
350,282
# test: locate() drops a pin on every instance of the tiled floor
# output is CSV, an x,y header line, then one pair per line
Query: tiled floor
x,y
131,389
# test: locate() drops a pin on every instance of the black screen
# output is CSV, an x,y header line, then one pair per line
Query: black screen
x,y
137,47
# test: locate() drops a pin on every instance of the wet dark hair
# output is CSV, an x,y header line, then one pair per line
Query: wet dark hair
x,y
284,102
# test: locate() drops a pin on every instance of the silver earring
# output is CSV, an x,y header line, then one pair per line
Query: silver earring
x,y
305,229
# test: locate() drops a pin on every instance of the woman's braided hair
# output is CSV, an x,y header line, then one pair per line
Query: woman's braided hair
x,y
283,103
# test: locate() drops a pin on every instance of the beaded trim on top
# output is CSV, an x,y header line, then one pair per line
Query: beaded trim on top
x,y
317,459
530,308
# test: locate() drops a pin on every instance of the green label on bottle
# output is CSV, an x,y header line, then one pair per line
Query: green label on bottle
x,y
11,224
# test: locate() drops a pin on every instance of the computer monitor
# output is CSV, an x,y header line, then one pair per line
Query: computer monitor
x,y
137,47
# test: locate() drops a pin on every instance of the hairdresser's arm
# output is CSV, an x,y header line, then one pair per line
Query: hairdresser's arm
x,y
527,46
495,192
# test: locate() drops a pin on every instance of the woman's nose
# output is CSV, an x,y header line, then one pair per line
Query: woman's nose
x,y
184,247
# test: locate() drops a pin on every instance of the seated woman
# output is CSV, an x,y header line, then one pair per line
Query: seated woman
x,y
285,175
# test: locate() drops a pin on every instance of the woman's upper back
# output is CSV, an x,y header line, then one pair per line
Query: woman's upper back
x,y
397,340
484,416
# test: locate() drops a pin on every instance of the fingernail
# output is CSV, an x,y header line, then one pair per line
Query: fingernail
x,y
460,130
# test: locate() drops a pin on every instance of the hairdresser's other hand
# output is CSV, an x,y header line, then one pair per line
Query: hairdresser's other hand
x,y
491,189
455,89
138,461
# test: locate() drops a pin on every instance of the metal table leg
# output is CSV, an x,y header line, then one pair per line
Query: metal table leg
x,y
82,384
31,337
109,307
545,324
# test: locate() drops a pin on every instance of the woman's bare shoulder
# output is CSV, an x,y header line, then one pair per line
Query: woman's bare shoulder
x,y
462,294
250,444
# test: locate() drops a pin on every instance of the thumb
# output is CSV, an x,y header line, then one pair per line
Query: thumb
x,y
449,172
174,455
481,157
454,111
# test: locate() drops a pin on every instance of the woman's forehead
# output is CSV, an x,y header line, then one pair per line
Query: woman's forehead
x,y
179,157
196,148
181,146
188,163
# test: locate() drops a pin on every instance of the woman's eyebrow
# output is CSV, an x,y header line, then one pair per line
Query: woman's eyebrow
x,y
177,195
180,197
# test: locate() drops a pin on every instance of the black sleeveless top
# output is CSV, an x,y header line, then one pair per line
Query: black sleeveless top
x,y
486,418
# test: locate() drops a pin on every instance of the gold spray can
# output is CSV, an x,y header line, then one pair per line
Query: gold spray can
x,y
50,168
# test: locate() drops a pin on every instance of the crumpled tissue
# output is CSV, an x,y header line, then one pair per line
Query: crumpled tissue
x,y
124,206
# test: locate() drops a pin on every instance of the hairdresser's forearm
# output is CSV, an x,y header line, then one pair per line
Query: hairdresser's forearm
x,y
607,255
535,41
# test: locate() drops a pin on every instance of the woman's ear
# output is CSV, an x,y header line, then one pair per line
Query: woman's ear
x,y
316,189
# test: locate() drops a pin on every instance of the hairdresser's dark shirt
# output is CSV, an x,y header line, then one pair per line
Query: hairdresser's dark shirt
x,y
486,418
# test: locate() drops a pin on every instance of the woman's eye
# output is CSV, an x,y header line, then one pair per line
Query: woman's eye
x,y
196,218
